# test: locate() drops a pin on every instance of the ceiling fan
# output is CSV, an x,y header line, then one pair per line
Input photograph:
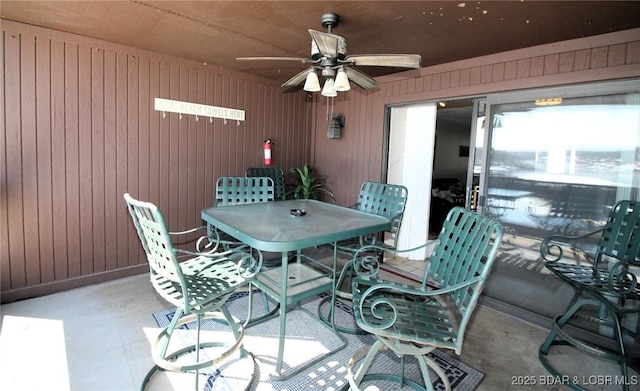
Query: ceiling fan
x,y
329,55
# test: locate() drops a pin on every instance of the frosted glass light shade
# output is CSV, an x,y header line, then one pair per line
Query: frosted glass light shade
x,y
312,84
342,81
328,89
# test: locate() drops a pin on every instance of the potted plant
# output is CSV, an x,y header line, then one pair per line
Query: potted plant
x,y
309,186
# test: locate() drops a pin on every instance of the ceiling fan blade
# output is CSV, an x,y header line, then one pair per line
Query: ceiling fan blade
x,y
300,59
296,80
386,60
328,45
364,81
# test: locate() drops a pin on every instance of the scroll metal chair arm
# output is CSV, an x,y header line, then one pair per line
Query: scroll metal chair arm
x,y
553,244
621,279
210,250
368,266
247,265
207,243
363,264
391,311
188,231
418,291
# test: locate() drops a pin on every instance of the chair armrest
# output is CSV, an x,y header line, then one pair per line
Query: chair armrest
x,y
192,230
389,296
413,289
204,243
552,245
247,265
624,281
368,266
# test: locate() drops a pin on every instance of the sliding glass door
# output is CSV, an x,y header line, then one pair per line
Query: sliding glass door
x,y
557,160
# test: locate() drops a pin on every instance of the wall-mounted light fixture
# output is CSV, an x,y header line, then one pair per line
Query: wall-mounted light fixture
x,y
334,129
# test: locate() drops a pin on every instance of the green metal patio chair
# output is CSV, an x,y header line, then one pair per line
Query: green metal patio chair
x,y
606,293
276,174
237,190
381,199
413,320
232,190
198,285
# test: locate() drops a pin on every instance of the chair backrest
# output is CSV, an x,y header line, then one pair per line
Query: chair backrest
x,y
275,173
243,190
386,200
621,236
155,239
467,246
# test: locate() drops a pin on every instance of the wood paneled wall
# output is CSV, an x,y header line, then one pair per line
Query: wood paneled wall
x,y
80,130
358,155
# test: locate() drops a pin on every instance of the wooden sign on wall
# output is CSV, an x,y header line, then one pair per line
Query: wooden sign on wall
x,y
180,107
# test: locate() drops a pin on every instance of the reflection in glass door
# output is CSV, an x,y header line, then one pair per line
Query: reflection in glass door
x,y
556,166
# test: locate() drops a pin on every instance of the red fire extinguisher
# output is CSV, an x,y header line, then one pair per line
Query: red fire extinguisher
x,y
267,151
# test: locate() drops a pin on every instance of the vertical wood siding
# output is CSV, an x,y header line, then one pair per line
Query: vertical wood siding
x,y
80,130
358,155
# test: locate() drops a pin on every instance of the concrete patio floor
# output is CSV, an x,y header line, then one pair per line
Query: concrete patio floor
x,y
98,338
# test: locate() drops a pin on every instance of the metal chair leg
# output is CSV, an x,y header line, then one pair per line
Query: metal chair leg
x,y
166,362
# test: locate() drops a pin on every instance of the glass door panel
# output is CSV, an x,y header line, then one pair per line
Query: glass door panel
x,y
555,169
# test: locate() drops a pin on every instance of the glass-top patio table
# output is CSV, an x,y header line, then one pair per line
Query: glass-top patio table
x,y
270,226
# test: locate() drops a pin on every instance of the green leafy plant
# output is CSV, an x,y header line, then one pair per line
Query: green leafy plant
x,y
309,186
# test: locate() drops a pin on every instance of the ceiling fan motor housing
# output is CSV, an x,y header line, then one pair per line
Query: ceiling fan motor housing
x,y
330,20
342,49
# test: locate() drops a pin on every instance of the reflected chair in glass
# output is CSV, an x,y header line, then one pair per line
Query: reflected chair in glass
x,y
380,199
569,211
199,285
607,293
413,320
276,174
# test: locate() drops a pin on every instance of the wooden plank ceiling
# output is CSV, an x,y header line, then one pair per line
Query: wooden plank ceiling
x,y
217,32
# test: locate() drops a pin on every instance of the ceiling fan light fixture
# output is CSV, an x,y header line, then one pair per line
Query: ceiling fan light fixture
x,y
329,90
312,84
342,81
329,53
